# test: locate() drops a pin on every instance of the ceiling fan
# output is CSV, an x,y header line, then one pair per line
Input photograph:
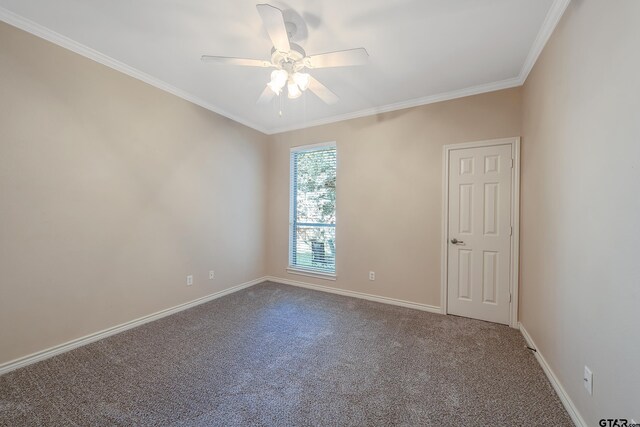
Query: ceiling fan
x,y
290,60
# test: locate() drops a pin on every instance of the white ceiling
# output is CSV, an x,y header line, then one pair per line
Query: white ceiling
x,y
420,51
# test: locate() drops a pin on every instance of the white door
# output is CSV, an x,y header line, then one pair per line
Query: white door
x,y
479,235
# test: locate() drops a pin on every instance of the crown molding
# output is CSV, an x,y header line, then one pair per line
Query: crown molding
x,y
416,102
549,24
67,43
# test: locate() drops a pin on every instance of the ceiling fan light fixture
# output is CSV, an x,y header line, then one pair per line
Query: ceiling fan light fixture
x,y
302,80
293,90
289,59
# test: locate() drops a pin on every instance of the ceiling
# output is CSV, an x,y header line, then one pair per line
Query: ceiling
x,y
421,51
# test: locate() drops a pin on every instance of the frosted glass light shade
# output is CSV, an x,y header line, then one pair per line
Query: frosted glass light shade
x,y
302,80
293,90
278,80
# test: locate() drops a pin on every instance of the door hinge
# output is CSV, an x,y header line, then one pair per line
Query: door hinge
x,y
511,231
509,297
512,163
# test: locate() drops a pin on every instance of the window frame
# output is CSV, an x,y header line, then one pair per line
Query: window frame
x,y
291,268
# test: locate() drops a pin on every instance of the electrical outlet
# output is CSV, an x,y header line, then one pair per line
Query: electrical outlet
x,y
588,380
372,275
189,280
212,274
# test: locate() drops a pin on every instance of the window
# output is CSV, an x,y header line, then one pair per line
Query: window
x,y
312,219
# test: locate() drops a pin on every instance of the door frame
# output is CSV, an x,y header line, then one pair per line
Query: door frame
x,y
515,221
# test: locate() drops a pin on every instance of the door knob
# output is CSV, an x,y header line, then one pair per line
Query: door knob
x,y
456,241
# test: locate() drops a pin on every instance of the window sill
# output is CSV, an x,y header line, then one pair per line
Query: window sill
x,y
312,273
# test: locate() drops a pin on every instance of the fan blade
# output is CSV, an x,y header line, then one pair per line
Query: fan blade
x,y
237,61
322,91
266,96
274,23
341,58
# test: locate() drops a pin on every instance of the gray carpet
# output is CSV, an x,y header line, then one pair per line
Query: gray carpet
x,y
278,355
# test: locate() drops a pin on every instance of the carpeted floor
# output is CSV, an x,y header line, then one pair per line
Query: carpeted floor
x,y
278,355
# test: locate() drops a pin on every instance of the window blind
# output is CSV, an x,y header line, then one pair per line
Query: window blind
x,y
313,208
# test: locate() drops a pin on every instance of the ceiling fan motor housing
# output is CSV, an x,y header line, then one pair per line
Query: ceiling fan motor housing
x,y
291,61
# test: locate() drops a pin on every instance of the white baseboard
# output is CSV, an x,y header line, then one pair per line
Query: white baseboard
x,y
555,382
360,295
79,342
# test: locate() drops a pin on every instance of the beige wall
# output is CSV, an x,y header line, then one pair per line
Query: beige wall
x,y
113,191
580,230
389,191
